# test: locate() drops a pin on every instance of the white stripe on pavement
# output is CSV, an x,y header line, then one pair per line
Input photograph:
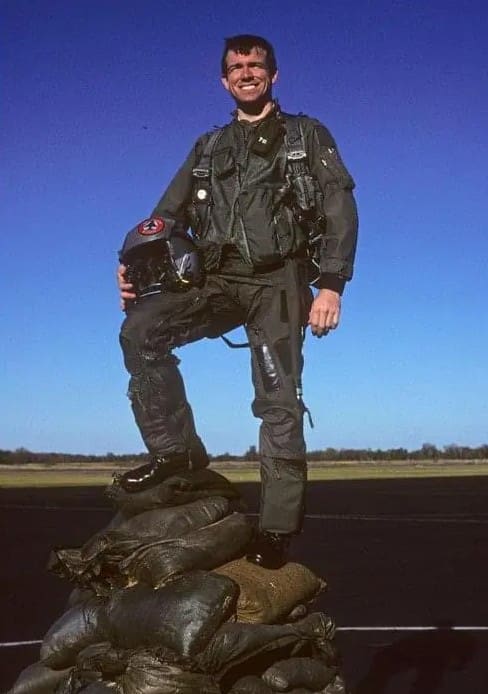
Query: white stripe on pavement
x,y
14,644
432,628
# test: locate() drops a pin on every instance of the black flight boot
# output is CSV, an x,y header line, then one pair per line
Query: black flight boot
x,y
153,473
269,550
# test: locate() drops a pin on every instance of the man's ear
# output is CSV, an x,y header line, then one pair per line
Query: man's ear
x,y
225,82
275,77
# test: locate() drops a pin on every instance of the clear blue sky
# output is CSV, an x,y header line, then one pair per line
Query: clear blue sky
x,y
102,100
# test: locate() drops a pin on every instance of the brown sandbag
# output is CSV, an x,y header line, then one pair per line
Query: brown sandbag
x,y
268,596
96,563
292,673
38,678
236,643
174,491
76,629
206,548
182,615
147,674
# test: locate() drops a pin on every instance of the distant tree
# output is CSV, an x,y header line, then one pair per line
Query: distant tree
x,y
251,454
452,451
429,451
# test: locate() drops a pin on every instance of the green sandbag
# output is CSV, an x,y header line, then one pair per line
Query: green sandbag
x,y
38,678
236,643
96,563
251,684
76,629
337,686
288,674
147,674
183,615
174,491
205,548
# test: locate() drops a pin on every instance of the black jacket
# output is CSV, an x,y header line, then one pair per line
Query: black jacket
x,y
251,206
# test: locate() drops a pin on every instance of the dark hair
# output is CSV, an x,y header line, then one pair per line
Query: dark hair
x,y
244,43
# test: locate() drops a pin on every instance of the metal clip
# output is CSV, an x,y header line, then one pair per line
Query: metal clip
x,y
201,173
296,155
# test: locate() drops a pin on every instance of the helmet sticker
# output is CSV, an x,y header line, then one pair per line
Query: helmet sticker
x,y
151,226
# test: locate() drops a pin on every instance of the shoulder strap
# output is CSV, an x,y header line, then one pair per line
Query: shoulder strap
x,y
294,140
202,170
304,189
297,167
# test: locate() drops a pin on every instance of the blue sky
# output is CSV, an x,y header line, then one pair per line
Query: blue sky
x,y
102,100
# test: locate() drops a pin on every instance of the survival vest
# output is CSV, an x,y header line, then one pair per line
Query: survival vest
x,y
298,177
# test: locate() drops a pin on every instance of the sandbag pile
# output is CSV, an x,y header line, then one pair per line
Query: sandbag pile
x,y
165,603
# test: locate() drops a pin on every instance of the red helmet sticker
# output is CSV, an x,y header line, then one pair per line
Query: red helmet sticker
x,y
151,226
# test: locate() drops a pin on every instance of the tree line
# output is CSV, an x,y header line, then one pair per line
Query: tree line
x,y
428,451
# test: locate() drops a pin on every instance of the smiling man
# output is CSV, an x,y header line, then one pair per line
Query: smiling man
x,y
249,79
264,196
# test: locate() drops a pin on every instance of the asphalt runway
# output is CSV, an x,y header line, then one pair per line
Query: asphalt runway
x,y
399,556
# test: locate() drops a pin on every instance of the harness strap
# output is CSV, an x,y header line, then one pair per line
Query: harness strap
x,y
202,170
294,142
234,345
202,188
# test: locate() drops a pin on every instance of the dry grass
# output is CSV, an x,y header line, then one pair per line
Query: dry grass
x,y
77,475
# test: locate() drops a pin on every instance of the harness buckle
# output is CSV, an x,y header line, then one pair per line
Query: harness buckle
x,y
201,173
296,155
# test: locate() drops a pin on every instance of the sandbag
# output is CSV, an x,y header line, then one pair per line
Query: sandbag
x,y
101,661
147,674
174,491
96,563
99,574
235,643
182,615
175,521
205,548
337,686
96,667
298,612
289,674
251,684
77,685
267,596
79,596
38,678
74,630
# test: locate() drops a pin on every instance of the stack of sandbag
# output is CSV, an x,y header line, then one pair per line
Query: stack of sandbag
x,y
165,603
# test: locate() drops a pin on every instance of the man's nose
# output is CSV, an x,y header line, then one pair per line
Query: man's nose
x,y
247,72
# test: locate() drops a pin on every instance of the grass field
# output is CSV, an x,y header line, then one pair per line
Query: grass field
x,y
78,475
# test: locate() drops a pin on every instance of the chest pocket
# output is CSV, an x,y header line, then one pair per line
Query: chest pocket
x,y
223,163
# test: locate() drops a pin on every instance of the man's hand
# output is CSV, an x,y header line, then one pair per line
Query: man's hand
x,y
124,287
325,312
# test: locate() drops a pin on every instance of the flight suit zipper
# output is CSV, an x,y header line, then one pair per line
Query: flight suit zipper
x,y
241,165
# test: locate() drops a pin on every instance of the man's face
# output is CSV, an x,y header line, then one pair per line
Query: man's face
x,y
248,78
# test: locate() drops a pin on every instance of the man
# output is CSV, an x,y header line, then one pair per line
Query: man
x,y
251,201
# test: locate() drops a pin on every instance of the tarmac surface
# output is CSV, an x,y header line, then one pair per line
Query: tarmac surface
x,y
398,556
